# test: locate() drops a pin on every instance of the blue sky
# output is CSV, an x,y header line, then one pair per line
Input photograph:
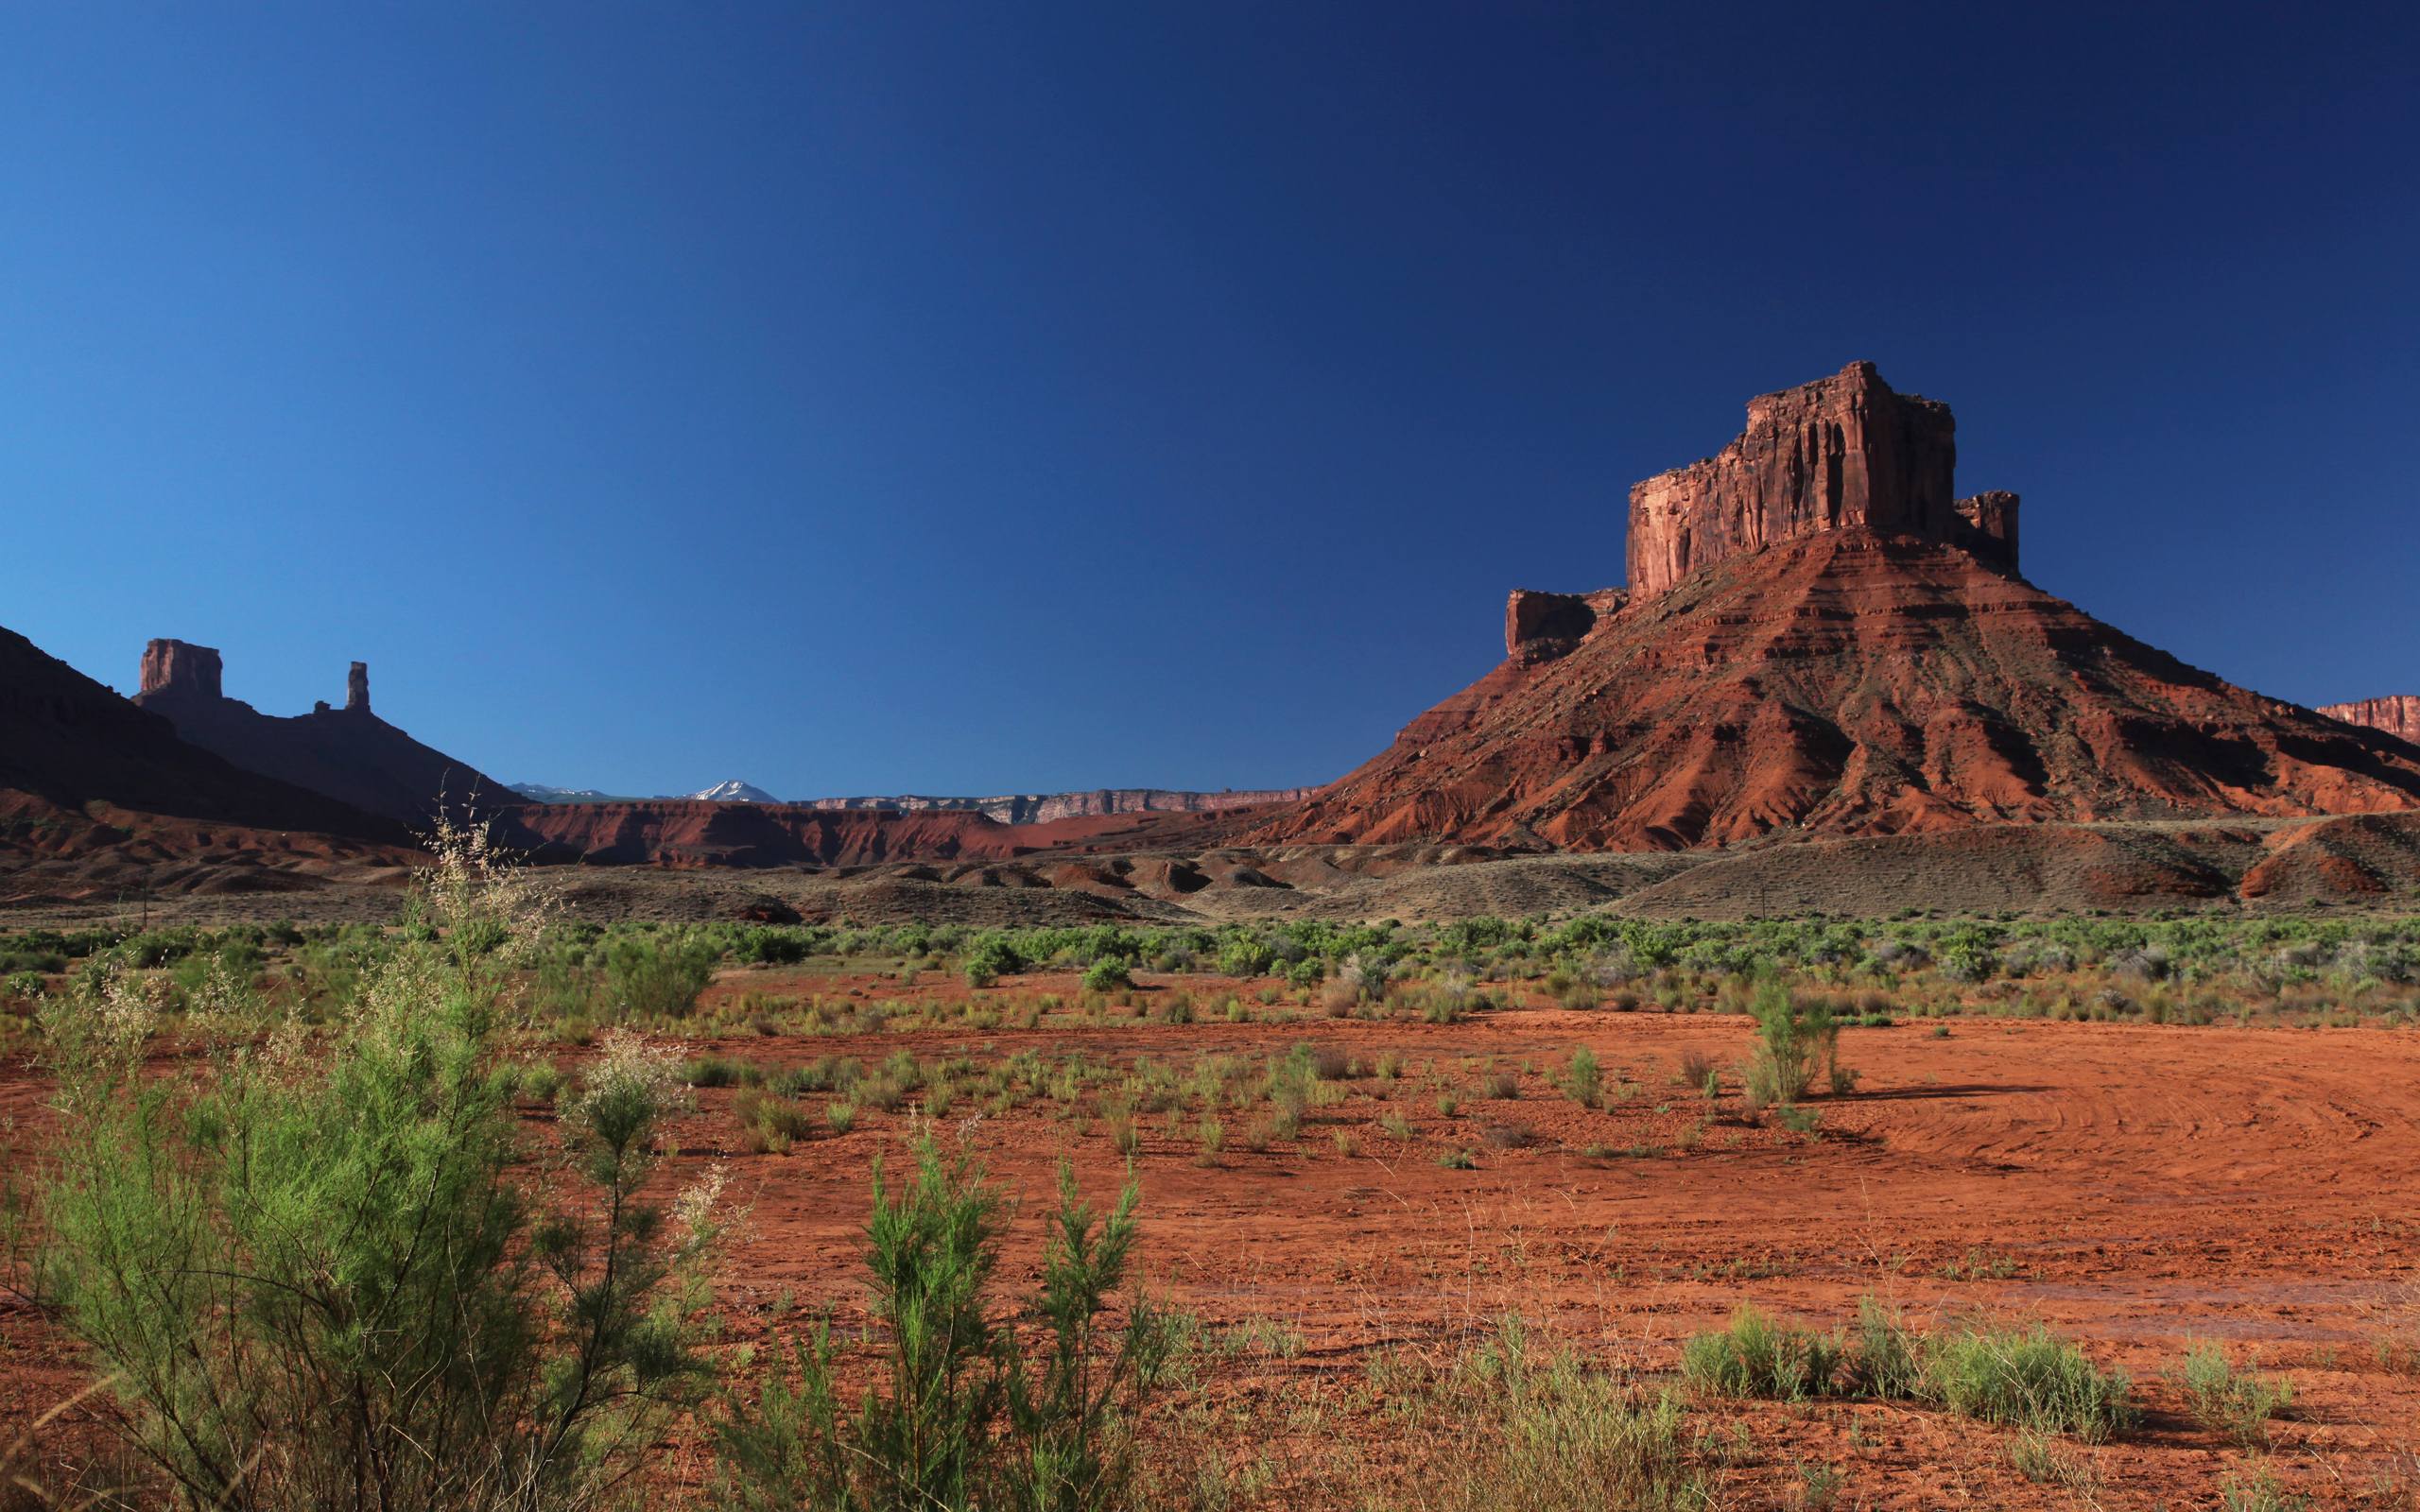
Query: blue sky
x,y
987,397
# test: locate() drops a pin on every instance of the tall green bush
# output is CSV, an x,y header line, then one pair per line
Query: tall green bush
x,y
659,976
311,1276
1794,1040
960,1415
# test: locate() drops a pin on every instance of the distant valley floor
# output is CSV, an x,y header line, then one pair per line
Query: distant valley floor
x,y
2368,863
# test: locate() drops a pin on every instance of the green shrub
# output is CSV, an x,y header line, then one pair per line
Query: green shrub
x,y
769,1123
1887,1357
774,946
990,959
1759,1357
959,1416
659,976
1507,1429
1243,957
716,1071
315,1279
2224,1400
2031,1379
1108,974
1583,1080
1794,1039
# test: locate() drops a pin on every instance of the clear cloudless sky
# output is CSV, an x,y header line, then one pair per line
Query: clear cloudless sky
x,y
979,398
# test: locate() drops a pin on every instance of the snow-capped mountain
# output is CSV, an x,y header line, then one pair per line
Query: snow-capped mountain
x,y
542,792
735,791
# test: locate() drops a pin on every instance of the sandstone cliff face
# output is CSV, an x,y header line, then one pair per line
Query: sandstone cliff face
x,y
1848,684
1820,638
1843,453
2397,714
1987,526
179,669
349,754
1541,627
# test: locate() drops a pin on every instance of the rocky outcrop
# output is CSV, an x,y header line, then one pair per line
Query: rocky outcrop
x,y
179,669
1049,808
2397,714
1821,639
86,772
1541,627
1987,526
1843,453
347,754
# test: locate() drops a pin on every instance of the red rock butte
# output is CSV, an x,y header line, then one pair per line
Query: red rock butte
x,y
2397,714
1842,453
349,754
1820,637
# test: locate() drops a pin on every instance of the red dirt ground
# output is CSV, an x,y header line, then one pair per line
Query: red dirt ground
x,y
2135,1187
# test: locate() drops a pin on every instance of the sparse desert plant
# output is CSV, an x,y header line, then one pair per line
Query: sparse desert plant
x,y
1794,1039
714,1071
1211,1136
1509,1426
2224,1400
1755,1357
1886,1356
959,1416
2259,1490
769,1124
2028,1378
2039,1459
1583,1079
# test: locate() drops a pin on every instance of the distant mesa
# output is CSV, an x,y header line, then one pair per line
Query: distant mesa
x,y
1008,808
347,754
1819,637
2397,714
1049,808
